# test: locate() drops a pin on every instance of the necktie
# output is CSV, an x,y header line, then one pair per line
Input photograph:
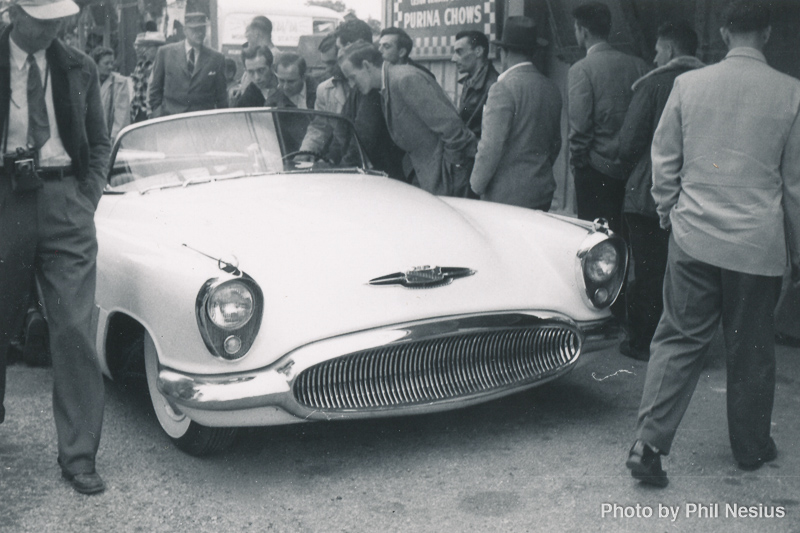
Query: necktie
x,y
38,123
190,63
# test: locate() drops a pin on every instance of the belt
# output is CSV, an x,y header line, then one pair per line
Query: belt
x,y
55,173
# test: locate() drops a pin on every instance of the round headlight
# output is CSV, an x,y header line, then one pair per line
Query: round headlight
x,y
601,263
231,305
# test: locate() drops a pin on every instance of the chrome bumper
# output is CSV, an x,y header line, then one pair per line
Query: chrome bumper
x,y
272,386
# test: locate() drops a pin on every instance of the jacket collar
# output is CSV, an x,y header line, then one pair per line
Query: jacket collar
x,y
678,63
602,46
481,77
744,51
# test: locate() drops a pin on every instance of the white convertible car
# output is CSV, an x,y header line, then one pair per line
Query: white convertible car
x,y
256,284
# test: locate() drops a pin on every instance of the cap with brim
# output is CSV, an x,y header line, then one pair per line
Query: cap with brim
x,y
48,9
195,20
150,37
519,33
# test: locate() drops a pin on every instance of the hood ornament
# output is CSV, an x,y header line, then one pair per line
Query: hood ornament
x,y
424,277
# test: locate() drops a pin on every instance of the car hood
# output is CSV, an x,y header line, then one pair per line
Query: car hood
x,y
313,256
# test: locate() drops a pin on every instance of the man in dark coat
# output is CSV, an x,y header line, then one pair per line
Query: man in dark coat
x,y
47,221
599,93
675,49
188,76
471,56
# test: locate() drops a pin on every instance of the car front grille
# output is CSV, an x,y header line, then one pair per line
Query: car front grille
x,y
438,369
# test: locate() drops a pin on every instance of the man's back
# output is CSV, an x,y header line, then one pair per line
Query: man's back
x,y
599,95
522,120
726,159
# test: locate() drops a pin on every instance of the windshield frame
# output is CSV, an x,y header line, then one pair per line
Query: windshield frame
x,y
366,168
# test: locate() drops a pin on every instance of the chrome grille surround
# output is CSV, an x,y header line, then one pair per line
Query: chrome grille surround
x,y
440,368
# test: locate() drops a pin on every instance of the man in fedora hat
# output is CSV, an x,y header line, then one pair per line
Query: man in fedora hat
x,y
188,76
599,95
57,127
146,46
521,127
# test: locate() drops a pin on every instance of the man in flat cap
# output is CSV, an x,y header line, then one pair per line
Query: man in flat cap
x,y
188,76
56,126
521,126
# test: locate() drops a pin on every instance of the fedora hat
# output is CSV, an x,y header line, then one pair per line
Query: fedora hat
x,y
150,37
48,9
520,33
195,20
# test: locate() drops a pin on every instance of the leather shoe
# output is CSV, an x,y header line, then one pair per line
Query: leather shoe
x,y
645,465
85,483
770,455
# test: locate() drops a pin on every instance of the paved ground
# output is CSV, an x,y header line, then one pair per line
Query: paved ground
x,y
550,459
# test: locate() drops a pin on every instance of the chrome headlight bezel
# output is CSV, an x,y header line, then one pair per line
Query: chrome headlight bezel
x,y
240,335
602,290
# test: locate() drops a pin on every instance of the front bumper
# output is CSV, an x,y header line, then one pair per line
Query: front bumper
x,y
266,396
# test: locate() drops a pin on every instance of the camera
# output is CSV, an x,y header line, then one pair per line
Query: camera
x,y
20,165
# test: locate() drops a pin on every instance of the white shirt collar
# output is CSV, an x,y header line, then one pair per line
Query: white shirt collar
x,y
20,57
189,47
505,72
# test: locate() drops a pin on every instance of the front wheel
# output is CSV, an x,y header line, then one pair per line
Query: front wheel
x,y
187,435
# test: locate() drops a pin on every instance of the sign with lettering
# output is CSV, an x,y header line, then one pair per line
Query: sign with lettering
x,y
433,24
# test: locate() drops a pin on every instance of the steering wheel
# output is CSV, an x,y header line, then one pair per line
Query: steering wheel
x,y
316,155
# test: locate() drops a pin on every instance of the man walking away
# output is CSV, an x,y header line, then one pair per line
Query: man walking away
x,y
726,181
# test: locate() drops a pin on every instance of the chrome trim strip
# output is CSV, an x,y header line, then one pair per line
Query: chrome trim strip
x,y
272,386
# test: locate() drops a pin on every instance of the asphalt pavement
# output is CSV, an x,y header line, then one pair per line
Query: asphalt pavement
x,y
550,459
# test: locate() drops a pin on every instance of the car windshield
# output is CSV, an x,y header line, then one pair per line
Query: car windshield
x,y
182,150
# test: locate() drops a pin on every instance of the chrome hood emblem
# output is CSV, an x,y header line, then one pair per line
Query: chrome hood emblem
x,y
424,277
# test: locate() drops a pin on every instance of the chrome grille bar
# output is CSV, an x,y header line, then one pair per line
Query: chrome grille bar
x,y
438,369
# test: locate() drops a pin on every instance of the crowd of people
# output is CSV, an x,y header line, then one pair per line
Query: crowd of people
x,y
707,195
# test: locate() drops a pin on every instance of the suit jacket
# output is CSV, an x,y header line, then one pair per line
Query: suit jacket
x,y
174,90
650,93
279,99
726,165
521,140
424,123
599,95
79,112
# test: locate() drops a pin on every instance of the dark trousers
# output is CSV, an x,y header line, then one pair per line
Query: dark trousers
x,y
649,244
696,297
50,233
598,195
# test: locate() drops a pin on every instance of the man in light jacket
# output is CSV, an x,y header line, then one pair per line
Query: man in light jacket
x,y
726,182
